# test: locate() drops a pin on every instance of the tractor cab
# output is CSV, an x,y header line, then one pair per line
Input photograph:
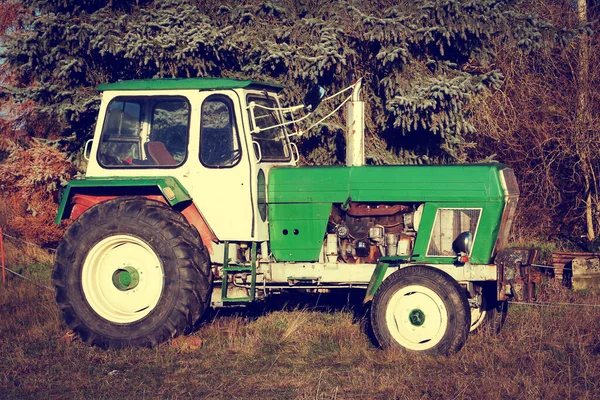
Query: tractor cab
x,y
217,137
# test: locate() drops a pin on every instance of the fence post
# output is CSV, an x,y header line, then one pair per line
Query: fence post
x,y
2,256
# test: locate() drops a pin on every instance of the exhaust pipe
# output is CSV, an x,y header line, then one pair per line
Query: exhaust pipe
x,y
355,129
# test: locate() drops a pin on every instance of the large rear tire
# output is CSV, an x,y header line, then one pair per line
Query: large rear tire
x,y
131,272
421,309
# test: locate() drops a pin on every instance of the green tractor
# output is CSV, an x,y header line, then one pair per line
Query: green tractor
x,y
192,199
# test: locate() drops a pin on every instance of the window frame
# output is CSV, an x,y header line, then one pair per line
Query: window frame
x,y
146,114
160,100
287,145
235,127
435,220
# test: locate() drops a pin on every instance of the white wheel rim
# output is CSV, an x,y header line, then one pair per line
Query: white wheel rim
x,y
477,317
416,317
109,263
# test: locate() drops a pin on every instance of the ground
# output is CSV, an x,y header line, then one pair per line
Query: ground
x,y
300,351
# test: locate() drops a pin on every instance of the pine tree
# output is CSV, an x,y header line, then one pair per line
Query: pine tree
x,y
422,63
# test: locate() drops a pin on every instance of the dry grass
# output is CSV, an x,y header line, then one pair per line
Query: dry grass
x,y
306,353
20,254
17,251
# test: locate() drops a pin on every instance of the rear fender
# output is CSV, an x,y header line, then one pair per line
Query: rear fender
x,y
81,195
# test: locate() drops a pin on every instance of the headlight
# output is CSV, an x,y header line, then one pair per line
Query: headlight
x,y
462,243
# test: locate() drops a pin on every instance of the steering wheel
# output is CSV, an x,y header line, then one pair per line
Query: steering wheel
x,y
110,160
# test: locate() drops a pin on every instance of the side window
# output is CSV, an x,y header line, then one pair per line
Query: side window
x,y
170,126
219,143
121,134
272,141
145,131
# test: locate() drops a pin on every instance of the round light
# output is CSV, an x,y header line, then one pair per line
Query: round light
x,y
462,243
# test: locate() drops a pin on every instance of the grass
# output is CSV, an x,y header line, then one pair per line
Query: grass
x,y
307,352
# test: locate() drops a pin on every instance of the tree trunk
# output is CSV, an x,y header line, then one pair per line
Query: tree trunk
x,y
582,117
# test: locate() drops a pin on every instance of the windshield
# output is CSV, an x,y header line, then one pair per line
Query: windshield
x,y
273,142
143,131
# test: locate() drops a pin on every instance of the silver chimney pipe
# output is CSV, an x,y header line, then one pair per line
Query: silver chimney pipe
x,y
355,128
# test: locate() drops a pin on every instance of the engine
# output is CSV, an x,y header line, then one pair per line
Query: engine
x,y
364,232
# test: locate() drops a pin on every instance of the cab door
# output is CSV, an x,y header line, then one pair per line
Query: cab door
x,y
221,168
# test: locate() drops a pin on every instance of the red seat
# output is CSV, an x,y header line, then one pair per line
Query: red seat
x,y
159,153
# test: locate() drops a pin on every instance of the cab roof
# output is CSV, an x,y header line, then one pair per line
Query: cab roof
x,y
187,83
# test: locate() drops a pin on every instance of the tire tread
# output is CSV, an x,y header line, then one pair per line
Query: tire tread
x,y
192,263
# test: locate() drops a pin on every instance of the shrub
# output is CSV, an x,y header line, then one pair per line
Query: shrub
x,y
31,177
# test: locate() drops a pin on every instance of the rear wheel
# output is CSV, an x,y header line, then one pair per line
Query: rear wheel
x,y
131,271
421,309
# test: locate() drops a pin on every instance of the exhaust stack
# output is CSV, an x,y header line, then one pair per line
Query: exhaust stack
x,y
355,129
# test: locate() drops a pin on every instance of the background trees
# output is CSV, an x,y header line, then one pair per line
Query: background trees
x,y
545,122
429,68
30,170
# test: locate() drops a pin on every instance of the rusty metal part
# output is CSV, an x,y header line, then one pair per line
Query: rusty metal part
x,y
196,219
349,257
368,210
517,277
573,254
82,202
561,261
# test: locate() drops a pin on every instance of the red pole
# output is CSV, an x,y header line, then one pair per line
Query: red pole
x,y
2,256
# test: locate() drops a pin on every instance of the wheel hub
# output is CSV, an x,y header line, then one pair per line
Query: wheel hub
x,y
122,279
416,317
126,278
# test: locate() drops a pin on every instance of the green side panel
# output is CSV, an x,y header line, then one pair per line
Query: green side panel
x,y
438,186
163,184
186,83
489,225
426,183
309,185
297,230
394,183
376,280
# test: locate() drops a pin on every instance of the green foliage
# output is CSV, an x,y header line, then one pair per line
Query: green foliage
x,y
422,63
36,270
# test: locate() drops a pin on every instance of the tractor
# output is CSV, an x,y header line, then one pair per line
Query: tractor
x,y
193,199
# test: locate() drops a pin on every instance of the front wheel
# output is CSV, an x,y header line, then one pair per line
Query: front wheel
x,y
421,309
489,316
131,271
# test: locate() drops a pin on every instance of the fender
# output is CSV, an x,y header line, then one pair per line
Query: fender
x,y
380,272
79,195
375,282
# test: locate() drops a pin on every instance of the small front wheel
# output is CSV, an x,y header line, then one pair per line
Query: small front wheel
x,y
421,309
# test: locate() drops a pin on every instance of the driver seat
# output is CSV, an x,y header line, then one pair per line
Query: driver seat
x,y
159,153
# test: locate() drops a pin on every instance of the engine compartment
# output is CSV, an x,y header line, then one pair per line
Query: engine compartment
x,y
364,232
